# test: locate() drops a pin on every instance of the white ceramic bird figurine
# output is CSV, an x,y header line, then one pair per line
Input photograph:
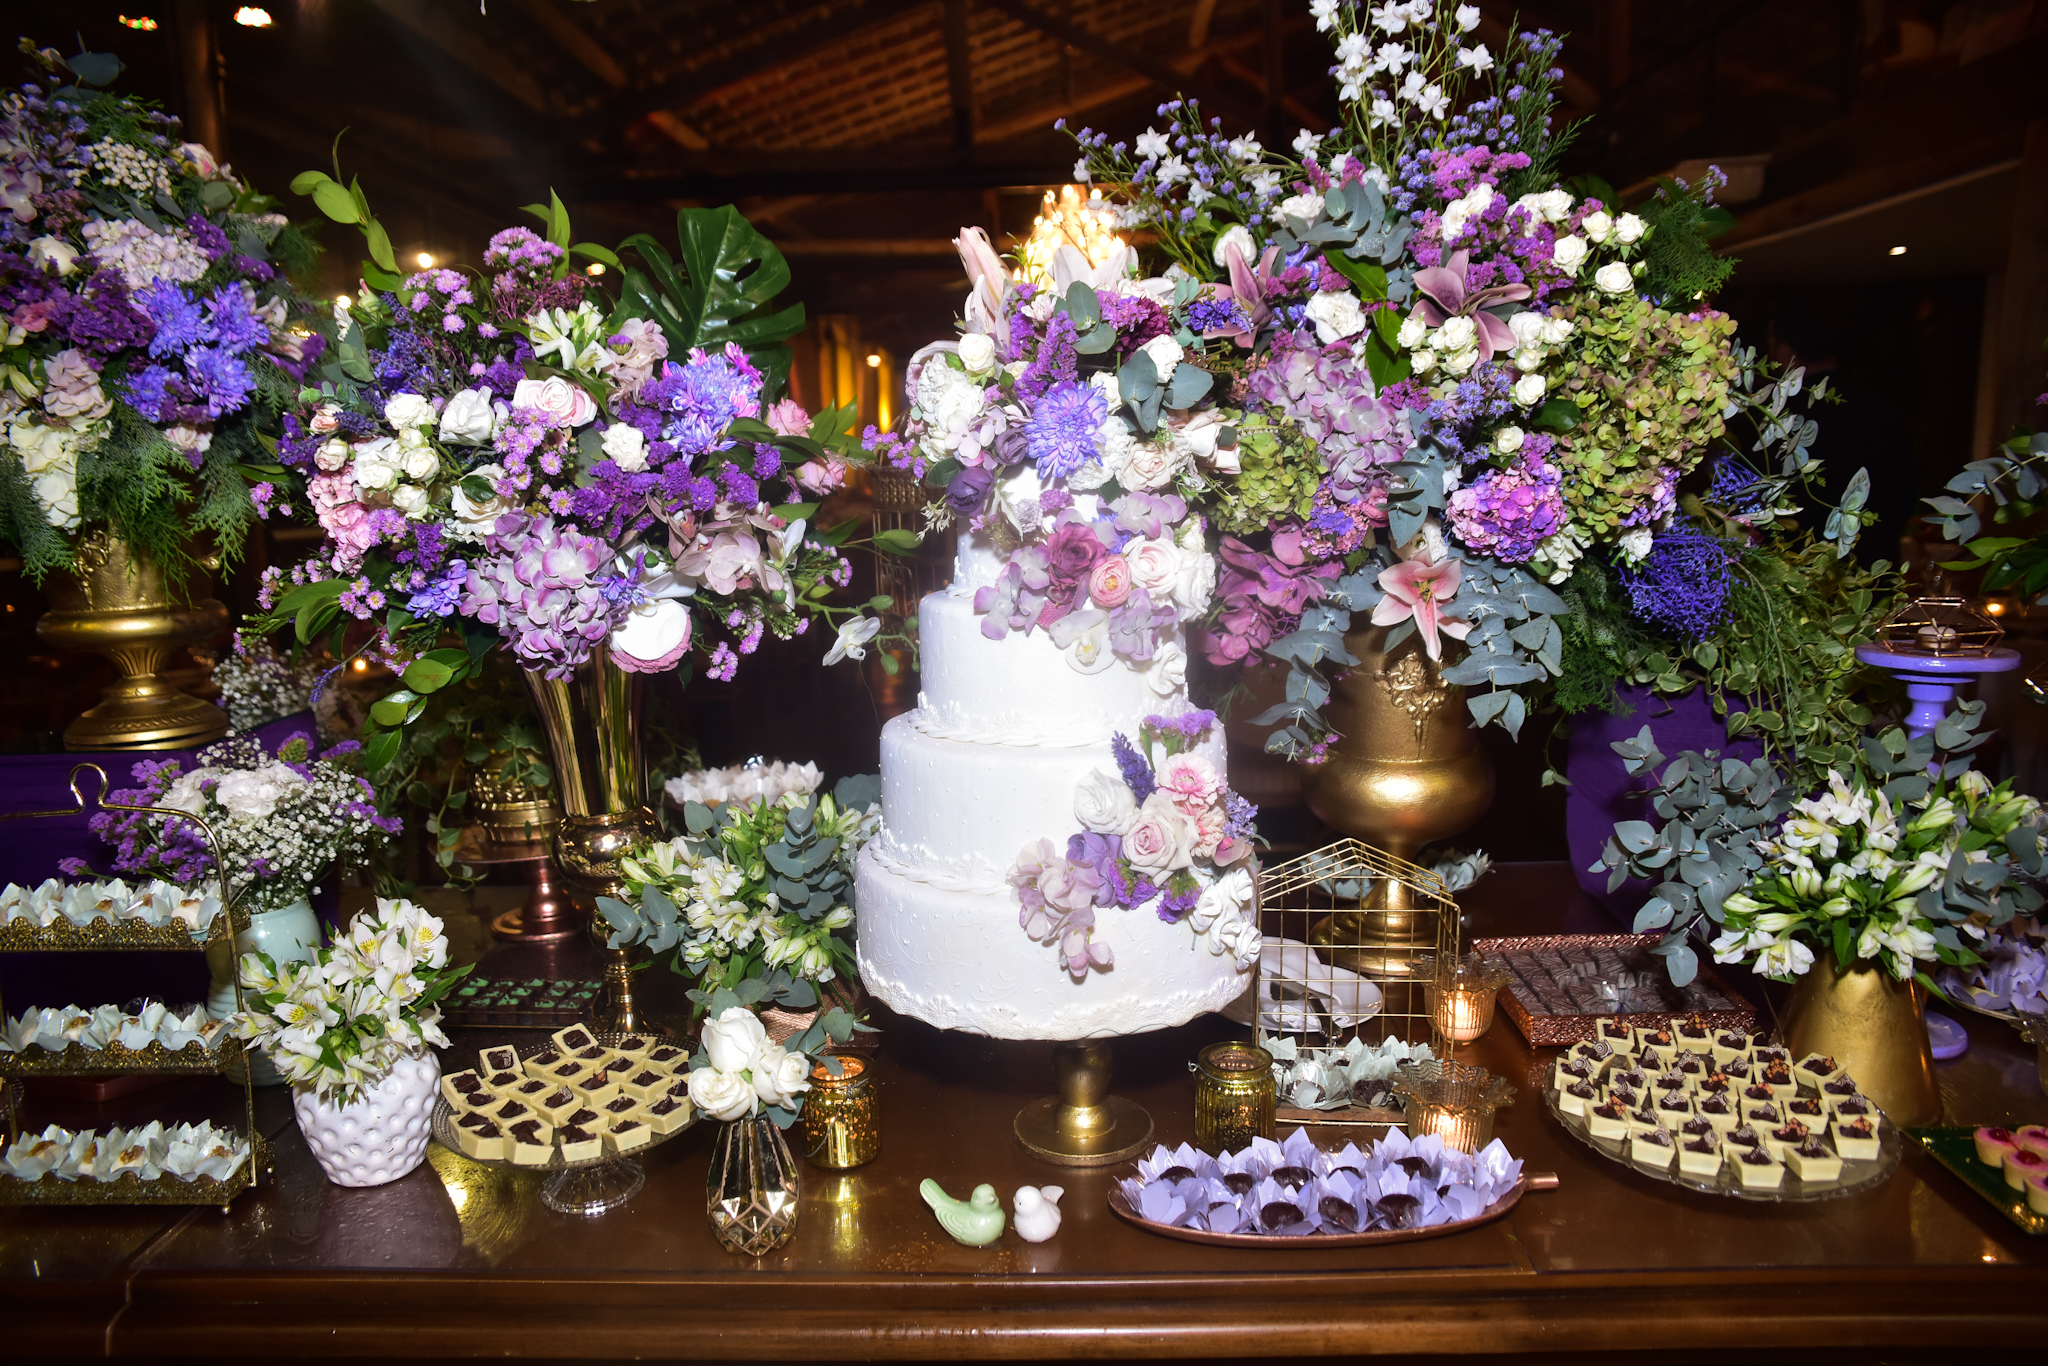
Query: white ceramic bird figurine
x,y
1038,1212
976,1221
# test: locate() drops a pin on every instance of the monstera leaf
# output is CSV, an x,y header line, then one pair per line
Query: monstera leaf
x,y
717,290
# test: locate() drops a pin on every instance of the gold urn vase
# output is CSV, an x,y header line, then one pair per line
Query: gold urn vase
x,y
121,603
1407,770
592,723
1873,1024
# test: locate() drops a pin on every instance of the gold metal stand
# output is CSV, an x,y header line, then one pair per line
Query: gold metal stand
x,y
121,605
1084,1125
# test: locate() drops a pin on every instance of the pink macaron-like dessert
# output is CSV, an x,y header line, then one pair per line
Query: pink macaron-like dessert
x,y
2034,1138
1994,1144
2021,1164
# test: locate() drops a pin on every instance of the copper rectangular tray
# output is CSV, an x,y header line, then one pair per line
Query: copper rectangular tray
x,y
1548,1014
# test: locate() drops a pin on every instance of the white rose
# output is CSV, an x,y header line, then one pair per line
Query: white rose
x,y
332,455
1237,236
185,795
1422,362
1527,327
1150,465
1556,330
1167,673
473,519
377,464
1613,278
1508,440
1555,205
468,418
566,404
421,463
1529,390
1528,358
411,500
721,1095
1103,804
977,353
1568,254
1198,434
1301,210
1461,362
627,446
781,1076
1196,580
1337,315
1457,334
1413,331
1118,443
1597,226
1160,839
1166,353
1635,543
408,410
1628,228
1155,567
253,794
52,253
732,1040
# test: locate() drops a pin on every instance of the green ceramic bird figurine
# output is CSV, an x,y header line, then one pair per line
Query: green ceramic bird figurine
x,y
976,1222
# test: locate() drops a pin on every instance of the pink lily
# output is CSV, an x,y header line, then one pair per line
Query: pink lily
x,y
1419,589
989,286
1248,287
1445,297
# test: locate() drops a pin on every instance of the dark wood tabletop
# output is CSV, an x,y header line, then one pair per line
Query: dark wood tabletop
x,y
460,1259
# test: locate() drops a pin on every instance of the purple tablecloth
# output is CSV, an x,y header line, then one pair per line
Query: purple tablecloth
x,y
30,851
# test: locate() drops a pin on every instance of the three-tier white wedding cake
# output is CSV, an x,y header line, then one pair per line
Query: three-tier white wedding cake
x,y
1005,733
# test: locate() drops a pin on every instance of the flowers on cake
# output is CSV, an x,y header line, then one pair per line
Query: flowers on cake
x,y
1163,832
340,1023
150,333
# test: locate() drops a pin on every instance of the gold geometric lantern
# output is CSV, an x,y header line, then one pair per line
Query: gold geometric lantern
x,y
1940,627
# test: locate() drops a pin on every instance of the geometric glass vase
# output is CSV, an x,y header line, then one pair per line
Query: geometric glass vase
x,y
751,1192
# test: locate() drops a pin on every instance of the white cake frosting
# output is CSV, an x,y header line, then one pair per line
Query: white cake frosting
x,y
988,763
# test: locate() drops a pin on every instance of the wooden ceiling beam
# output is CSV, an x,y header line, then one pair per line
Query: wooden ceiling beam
x,y
445,35
1159,71
578,44
715,178
960,74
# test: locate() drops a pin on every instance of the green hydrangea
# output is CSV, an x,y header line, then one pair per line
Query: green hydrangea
x,y
1279,470
1651,387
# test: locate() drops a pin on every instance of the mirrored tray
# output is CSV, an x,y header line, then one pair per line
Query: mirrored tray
x,y
76,1060
1855,1176
589,1186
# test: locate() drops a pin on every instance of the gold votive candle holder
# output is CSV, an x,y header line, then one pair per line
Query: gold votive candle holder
x,y
1234,1096
1453,1100
841,1120
1463,996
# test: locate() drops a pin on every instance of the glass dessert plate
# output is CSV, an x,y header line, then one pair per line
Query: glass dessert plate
x,y
1855,1176
587,1186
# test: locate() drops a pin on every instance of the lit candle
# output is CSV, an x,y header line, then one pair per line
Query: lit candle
x,y
1464,1013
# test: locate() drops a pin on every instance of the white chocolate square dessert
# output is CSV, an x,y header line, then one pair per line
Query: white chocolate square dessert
x,y
646,1084
596,1091
573,1072
1811,1161
586,1116
580,1145
668,1114
1809,1110
501,1083
1816,1068
1756,1169
558,1103
1618,1034
1673,1110
1594,1052
1655,1149
1609,1119
1856,1141
1627,1097
1700,1156
531,1143
485,1142
1723,1112
1729,1044
668,1058
1849,1109
620,1108
1578,1097
1640,1121
510,1112
1568,1069
1790,1134
502,1058
465,1091
1693,1036
574,1039
529,1090
1656,1047
543,1063
629,1135
635,1046
1779,1079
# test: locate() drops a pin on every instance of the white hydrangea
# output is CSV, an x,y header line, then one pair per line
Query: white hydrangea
x,y
142,255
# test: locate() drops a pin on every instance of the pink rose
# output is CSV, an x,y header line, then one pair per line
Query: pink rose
x,y
788,418
325,419
1191,781
822,476
1110,583
1161,838
563,403
1155,566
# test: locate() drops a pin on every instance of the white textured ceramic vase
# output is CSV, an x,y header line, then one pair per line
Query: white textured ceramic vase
x,y
379,1137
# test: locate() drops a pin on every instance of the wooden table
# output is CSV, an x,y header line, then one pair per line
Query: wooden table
x,y
462,1260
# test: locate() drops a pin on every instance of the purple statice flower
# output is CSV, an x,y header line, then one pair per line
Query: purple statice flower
x,y
1240,816
1461,421
1131,887
1137,773
1056,360
1189,725
99,317
1683,584
1179,898
207,237
1508,513
1136,319
1740,489
706,394
1063,428
539,587
429,547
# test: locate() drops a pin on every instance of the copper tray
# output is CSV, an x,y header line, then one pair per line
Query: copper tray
x,y
1544,1025
1531,1181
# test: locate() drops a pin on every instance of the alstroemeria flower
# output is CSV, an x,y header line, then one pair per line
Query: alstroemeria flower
x,y
1419,589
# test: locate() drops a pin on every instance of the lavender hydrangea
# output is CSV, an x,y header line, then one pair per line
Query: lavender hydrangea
x,y
541,587
1330,394
1508,513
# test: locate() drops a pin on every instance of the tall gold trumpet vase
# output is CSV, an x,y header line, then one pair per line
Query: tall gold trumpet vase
x,y
1873,1024
1407,770
592,722
120,603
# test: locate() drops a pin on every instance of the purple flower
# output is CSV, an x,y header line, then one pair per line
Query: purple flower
x,y
540,589
221,382
1063,428
1684,582
1332,397
442,596
180,320
1100,854
703,396
1013,602
1137,773
1134,627
968,490
1055,362
1509,513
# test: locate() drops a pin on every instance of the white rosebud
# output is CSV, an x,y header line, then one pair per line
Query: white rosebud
x,y
1568,254
421,463
627,447
1508,440
1628,228
1555,205
410,500
1337,314
1635,543
1239,236
1457,334
1166,353
1422,362
1413,330
977,353
1557,329
1527,327
1613,278
1528,358
332,455
1529,390
1301,210
1597,226
1461,362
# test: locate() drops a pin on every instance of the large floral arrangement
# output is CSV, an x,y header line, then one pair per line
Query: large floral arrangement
x,y
283,820
1402,371
521,458
371,998
152,335
1163,833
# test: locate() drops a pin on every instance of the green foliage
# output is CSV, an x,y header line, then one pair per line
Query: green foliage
x,y
1278,479
716,290
1679,264
1601,637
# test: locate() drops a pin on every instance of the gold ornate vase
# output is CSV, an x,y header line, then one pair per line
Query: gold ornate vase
x,y
121,604
1874,1025
592,722
1407,770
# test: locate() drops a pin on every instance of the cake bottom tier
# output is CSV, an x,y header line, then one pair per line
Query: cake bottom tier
x,y
956,958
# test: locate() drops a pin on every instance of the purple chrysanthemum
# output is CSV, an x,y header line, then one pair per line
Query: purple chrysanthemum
x,y
705,395
1063,428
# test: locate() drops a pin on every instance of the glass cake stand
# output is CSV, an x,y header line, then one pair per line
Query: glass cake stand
x,y
590,1186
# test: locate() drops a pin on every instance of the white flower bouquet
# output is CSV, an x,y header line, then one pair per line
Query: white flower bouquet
x,y
738,1071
